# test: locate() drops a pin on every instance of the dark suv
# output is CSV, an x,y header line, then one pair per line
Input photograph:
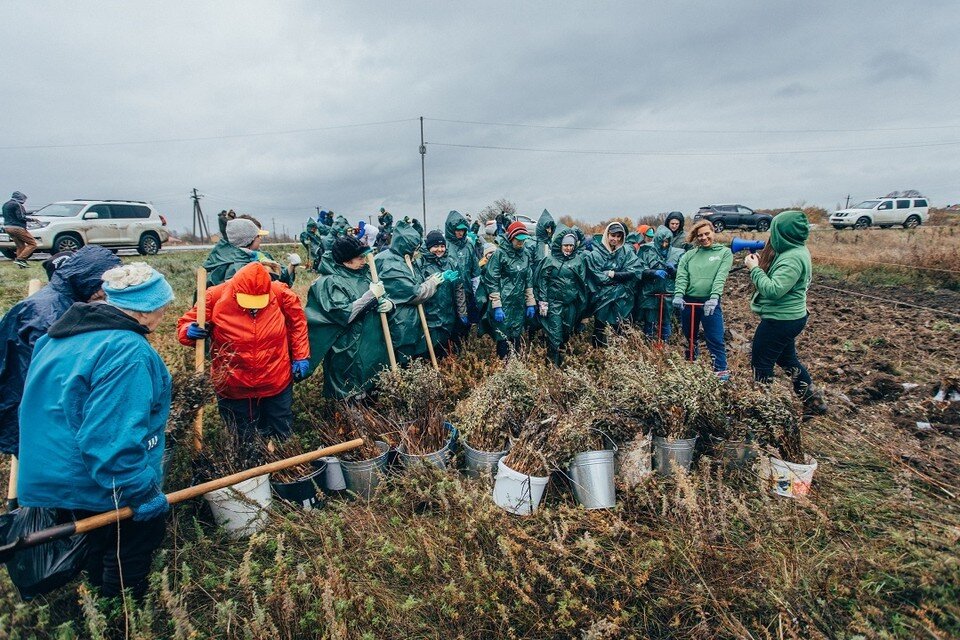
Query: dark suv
x,y
733,216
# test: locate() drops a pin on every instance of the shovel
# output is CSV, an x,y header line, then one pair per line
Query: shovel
x,y
34,286
383,317
423,323
84,525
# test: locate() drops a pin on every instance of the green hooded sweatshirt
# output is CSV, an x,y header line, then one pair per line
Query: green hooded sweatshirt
x,y
652,257
508,283
612,298
352,351
407,289
463,253
782,291
561,282
445,308
702,273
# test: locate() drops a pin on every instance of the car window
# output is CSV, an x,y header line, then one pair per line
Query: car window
x,y
886,204
866,204
59,210
919,203
745,210
102,211
129,211
903,204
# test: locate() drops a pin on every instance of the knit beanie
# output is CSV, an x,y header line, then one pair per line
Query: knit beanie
x,y
435,238
517,231
241,232
569,239
137,287
347,248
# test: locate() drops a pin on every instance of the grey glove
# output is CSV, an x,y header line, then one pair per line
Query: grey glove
x,y
710,306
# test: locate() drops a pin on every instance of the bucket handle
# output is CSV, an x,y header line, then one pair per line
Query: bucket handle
x,y
605,435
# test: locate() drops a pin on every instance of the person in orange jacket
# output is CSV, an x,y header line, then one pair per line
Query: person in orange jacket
x,y
258,347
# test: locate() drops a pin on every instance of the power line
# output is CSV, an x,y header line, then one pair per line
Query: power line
x,y
603,152
725,131
203,138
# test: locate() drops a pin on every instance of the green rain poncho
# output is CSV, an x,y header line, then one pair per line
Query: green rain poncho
x,y
539,246
463,253
448,304
508,284
352,351
612,298
312,241
653,256
407,289
561,282
226,259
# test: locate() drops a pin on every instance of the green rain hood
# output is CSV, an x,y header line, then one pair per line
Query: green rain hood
x,y
782,291
402,287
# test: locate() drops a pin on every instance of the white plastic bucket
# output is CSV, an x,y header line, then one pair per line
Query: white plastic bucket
x,y
517,492
241,508
791,479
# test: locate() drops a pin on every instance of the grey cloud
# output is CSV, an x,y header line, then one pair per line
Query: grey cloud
x,y
896,66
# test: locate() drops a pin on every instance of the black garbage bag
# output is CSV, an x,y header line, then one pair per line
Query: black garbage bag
x,y
45,567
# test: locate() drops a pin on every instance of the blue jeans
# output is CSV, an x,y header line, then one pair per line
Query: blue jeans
x,y
712,333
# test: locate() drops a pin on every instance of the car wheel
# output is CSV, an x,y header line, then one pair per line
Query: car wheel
x,y
719,226
763,225
149,244
912,222
67,242
862,223
9,254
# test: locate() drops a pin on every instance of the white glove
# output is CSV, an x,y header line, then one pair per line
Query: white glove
x,y
437,279
610,274
544,308
293,260
377,289
385,305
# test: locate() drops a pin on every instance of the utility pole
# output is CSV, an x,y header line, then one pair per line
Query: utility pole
x,y
423,175
199,222
273,222
847,206
318,212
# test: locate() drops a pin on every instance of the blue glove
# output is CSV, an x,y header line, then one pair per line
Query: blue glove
x,y
152,508
531,312
196,332
660,273
499,315
300,369
710,306
464,320
451,275
678,303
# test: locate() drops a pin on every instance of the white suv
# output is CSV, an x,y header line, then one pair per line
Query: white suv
x,y
911,211
118,224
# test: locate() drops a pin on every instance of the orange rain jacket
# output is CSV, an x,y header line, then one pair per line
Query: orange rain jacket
x,y
251,353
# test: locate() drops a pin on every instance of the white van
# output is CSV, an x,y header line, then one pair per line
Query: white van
x,y
910,211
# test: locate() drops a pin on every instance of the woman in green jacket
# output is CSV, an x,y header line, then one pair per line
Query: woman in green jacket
x,y
781,275
701,274
560,287
508,283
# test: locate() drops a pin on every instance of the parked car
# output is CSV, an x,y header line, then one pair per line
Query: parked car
x,y
491,227
117,224
884,212
733,216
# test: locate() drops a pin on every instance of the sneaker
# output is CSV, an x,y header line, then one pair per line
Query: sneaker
x,y
22,264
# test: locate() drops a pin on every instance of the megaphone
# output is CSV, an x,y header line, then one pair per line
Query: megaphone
x,y
739,244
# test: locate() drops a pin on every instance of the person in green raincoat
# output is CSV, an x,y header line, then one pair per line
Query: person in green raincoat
x,y
658,272
447,309
539,246
561,290
343,323
239,247
312,242
407,289
612,270
508,285
462,252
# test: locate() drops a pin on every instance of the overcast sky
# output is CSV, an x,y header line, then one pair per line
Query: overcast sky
x,y
707,88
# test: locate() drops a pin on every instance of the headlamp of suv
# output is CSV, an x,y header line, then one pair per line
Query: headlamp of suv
x,y
36,224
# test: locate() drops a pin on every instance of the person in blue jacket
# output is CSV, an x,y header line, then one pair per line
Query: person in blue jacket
x,y
92,422
77,279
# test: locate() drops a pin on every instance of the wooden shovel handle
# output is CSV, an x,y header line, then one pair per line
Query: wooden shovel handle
x,y
383,317
103,519
423,323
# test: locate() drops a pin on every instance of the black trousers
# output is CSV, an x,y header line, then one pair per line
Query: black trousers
x,y
775,343
120,554
269,417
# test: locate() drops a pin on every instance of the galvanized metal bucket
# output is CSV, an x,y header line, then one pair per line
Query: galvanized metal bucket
x,y
672,454
439,459
591,477
481,463
363,477
739,455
